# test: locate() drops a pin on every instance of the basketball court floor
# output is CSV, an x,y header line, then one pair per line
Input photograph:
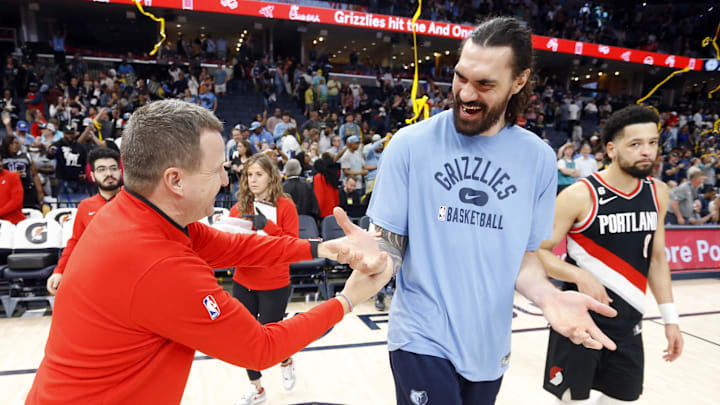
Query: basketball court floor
x,y
349,365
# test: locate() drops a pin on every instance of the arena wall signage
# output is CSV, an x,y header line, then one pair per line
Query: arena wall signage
x,y
688,250
294,12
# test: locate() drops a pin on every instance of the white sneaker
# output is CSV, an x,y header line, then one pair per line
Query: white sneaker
x,y
288,374
252,396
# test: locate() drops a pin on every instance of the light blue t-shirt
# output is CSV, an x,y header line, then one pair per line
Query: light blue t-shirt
x,y
471,207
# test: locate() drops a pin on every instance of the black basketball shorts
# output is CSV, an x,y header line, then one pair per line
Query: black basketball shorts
x,y
617,374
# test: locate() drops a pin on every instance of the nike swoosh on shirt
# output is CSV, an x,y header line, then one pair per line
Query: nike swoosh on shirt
x,y
92,213
604,201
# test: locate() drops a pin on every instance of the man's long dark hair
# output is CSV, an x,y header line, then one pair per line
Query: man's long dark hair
x,y
508,31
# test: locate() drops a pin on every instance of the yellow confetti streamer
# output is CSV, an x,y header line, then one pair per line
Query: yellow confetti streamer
x,y
707,41
713,91
419,105
683,70
156,19
715,129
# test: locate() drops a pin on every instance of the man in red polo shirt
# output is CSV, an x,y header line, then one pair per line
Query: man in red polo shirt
x,y
105,171
11,196
129,318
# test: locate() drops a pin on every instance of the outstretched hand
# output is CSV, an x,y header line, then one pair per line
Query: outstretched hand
x,y
358,248
567,312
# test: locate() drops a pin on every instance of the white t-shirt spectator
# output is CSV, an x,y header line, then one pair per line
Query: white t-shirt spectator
x,y
354,162
586,166
573,112
289,145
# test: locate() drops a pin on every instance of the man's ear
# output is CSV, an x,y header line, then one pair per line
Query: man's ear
x,y
173,180
520,81
610,150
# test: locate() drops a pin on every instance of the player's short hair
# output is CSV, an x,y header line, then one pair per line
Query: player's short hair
x,y
161,135
633,114
102,153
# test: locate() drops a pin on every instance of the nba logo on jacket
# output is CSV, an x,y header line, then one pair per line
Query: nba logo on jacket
x,y
212,307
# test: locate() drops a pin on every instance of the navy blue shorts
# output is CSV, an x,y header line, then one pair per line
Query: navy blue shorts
x,y
421,379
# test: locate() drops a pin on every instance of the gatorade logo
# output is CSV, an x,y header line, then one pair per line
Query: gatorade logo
x,y
37,233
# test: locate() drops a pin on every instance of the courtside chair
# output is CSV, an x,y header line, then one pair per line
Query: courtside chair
x,y
36,249
309,274
32,213
338,273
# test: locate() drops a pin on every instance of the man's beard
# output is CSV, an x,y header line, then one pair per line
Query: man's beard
x,y
490,116
633,169
110,186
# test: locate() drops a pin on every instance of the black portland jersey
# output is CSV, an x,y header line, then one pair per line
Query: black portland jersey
x,y
614,243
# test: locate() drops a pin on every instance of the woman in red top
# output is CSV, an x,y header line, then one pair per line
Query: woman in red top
x,y
265,292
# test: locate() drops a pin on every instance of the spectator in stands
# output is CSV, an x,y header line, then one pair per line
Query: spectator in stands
x,y
276,118
372,162
221,79
242,152
71,157
300,190
309,100
352,162
349,128
8,105
697,218
281,126
11,196
289,141
567,172
326,183
683,196
674,169
260,139
208,99
16,160
313,122
711,168
265,293
333,93
350,194
106,173
585,163
126,69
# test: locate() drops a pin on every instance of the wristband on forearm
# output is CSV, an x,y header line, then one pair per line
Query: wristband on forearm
x,y
314,248
339,294
669,313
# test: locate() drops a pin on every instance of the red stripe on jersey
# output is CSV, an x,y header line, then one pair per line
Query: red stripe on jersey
x,y
654,190
611,260
632,193
594,207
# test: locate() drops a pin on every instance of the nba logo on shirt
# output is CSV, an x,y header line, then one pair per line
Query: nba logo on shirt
x,y
212,307
441,213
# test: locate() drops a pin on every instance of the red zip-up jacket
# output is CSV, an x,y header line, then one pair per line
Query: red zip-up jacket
x,y
11,196
139,296
85,213
278,276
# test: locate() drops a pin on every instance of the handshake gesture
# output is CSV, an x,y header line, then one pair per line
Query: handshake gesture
x,y
359,249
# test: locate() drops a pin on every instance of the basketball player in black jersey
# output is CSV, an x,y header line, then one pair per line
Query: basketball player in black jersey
x,y
613,221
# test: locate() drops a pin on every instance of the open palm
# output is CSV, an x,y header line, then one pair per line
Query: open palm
x,y
568,314
358,247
